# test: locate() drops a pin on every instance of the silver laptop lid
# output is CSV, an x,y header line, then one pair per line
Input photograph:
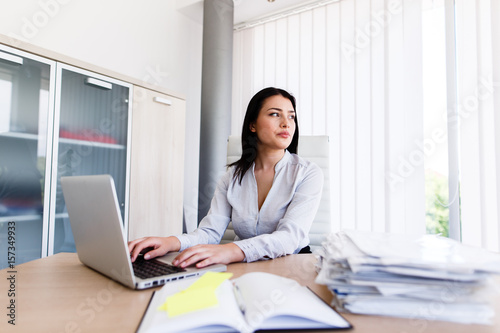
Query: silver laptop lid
x,y
97,226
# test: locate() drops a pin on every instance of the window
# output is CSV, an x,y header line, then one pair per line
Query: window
x,y
435,143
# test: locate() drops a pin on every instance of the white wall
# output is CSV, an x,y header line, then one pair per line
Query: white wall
x,y
148,40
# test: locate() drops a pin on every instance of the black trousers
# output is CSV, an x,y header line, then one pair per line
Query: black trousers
x,y
306,249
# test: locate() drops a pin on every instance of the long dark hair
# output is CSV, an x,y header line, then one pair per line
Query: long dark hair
x,y
249,138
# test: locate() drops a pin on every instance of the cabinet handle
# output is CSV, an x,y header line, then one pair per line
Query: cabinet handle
x,y
11,58
98,83
162,100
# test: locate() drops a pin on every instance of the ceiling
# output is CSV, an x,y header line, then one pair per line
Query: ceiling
x,y
244,10
249,10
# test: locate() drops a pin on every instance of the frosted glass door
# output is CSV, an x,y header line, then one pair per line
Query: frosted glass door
x,y
93,131
26,109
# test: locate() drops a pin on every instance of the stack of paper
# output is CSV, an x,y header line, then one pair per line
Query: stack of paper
x,y
429,277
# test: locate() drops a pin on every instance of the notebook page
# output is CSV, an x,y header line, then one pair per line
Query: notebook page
x,y
277,302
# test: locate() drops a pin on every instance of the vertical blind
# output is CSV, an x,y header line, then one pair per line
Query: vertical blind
x,y
355,67
478,119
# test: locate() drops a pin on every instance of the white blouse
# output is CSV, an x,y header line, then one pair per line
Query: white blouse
x,y
281,226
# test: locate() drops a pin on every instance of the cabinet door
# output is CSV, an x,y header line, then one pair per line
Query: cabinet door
x,y
157,165
26,109
92,133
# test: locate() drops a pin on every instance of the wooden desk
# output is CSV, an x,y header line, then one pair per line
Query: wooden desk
x,y
58,294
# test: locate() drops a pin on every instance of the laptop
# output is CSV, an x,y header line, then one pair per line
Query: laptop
x,y
100,240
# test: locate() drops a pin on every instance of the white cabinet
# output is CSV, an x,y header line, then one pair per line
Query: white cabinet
x,y
58,119
157,166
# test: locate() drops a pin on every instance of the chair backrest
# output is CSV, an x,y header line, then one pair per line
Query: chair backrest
x,y
312,148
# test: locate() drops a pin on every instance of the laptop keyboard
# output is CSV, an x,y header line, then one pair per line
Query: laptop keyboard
x,y
145,269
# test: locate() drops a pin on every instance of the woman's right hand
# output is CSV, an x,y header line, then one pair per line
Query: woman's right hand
x,y
158,246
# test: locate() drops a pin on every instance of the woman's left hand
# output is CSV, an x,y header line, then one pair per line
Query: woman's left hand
x,y
204,255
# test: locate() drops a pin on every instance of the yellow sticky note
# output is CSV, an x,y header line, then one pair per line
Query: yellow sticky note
x,y
199,295
190,300
210,280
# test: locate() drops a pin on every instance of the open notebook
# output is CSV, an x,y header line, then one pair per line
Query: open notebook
x,y
254,301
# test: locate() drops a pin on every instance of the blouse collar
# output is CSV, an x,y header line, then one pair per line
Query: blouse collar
x,y
281,163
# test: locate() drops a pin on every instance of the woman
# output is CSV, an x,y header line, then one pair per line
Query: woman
x,y
270,194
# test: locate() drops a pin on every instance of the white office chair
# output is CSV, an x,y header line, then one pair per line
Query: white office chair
x,y
314,149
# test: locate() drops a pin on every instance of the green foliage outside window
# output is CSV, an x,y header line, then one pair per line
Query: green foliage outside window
x,y
436,204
